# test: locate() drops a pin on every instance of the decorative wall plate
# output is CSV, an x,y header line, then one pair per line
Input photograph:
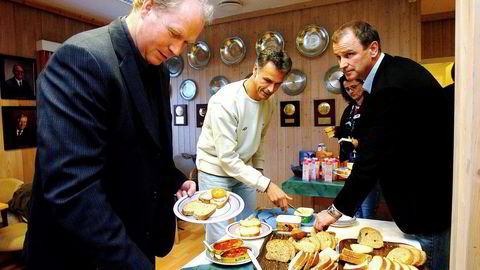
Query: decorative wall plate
x,y
216,83
269,39
295,82
188,89
175,66
312,40
331,82
199,55
233,50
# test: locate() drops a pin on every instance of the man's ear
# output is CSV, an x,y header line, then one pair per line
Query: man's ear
x,y
374,49
146,7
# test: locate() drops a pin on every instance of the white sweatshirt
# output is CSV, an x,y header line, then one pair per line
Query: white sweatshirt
x,y
232,138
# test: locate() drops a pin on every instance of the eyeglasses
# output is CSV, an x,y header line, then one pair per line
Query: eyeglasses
x,y
351,88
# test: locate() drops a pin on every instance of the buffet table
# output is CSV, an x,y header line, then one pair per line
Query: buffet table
x,y
315,188
389,230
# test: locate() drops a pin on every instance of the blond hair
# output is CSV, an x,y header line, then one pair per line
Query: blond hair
x,y
365,32
170,4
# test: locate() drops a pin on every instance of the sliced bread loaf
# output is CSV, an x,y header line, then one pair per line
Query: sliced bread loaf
x,y
326,240
401,255
370,237
279,250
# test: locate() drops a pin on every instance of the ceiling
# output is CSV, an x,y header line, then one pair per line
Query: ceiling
x,y
104,11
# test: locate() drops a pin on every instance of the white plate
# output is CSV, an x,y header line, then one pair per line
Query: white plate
x,y
232,230
342,175
213,260
345,221
232,208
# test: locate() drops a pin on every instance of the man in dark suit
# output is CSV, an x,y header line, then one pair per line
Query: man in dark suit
x,y
17,87
104,185
407,142
23,134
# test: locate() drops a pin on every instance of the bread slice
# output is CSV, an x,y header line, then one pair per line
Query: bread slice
x,y
279,250
330,266
370,237
358,248
417,255
397,266
199,210
250,222
362,266
323,261
330,253
206,197
299,261
401,254
305,245
311,257
377,263
249,231
353,257
326,240
388,264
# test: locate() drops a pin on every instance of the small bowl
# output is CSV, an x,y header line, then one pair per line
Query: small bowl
x,y
306,214
287,223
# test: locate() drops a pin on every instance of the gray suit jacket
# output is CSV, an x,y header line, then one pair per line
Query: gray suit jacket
x,y
105,180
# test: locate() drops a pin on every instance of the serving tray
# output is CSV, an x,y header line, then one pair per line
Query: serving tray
x,y
387,247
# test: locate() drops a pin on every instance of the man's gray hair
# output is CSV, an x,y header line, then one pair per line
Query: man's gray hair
x,y
170,4
278,57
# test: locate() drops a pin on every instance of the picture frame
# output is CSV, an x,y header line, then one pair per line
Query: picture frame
x,y
201,113
17,77
19,127
180,115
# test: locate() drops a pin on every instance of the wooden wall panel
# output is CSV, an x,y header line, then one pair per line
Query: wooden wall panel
x,y
465,237
397,21
21,27
438,38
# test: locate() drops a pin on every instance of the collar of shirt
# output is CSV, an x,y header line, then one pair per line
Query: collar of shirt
x,y
18,82
141,62
367,84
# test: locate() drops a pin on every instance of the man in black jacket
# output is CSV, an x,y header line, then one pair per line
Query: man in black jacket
x,y
104,185
407,144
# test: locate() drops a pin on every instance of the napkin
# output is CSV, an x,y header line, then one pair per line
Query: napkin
x,y
248,266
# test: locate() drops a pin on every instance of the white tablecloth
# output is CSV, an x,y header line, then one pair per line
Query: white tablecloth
x,y
389,230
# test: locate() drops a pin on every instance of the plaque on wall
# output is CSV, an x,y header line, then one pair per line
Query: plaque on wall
x,y
324,112
180,115
290,113
201,112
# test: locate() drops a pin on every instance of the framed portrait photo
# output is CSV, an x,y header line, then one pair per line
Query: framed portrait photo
x,y
17,77
19,127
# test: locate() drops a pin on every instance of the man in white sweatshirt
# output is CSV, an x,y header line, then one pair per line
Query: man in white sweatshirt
x,y
230,148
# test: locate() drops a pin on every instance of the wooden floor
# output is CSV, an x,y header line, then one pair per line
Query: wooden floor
x,y
189,246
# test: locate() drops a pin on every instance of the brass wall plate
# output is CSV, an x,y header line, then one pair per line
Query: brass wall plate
x,y
290,113
324,112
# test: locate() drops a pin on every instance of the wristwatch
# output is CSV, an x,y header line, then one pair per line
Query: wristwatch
x,y
332,211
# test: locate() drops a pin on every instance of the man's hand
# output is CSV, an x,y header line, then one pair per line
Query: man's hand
x,y
188,188
277,196
323,220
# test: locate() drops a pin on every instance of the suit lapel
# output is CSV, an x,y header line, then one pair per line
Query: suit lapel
x,y
132,79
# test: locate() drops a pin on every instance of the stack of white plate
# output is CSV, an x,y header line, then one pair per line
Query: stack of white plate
x,y
344,221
